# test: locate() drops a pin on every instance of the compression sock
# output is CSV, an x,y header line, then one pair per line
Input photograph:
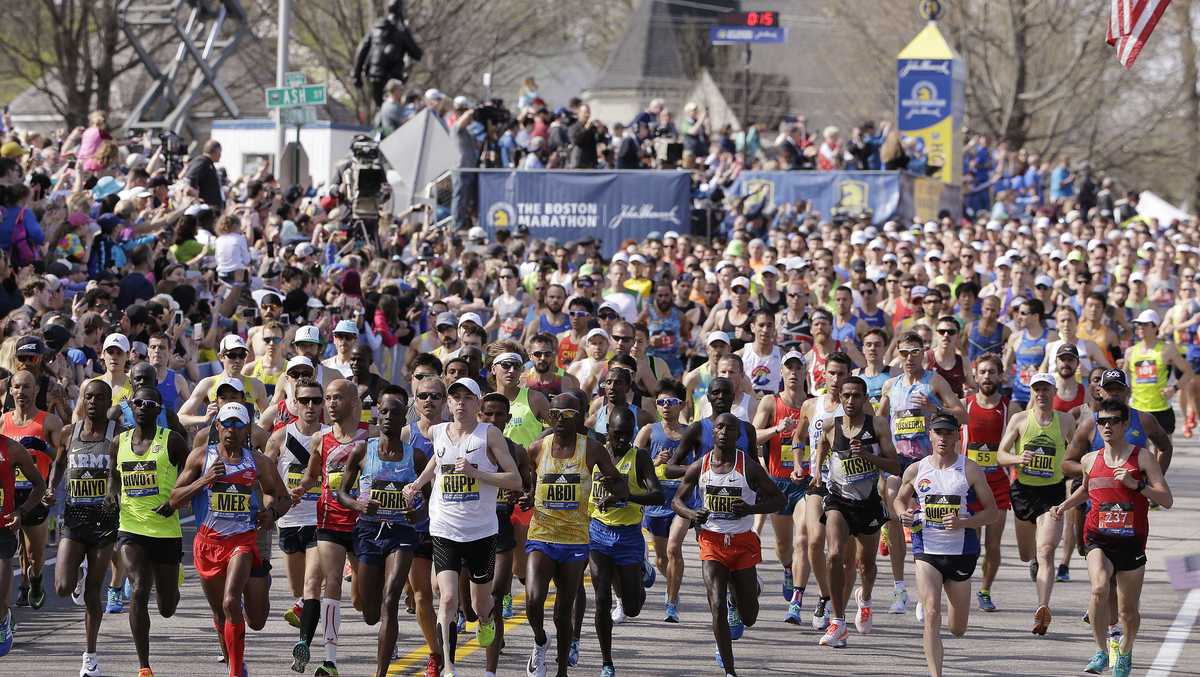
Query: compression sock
x,y
331,610
235,642
310,614
797,595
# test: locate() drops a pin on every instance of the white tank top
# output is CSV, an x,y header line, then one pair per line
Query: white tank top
x,y
942,492
720,490
293,459
763,372
740,409
820,418
462,508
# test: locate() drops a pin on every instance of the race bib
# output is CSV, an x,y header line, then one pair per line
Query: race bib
x,y
786,460
601,492
984,458
86,486
139,478
662,341
458,487
560,491
295,474
1145,371
230,501
335,480
937,507
909,423
720,501
390,497
1116,519
1041,465
855,468
20,481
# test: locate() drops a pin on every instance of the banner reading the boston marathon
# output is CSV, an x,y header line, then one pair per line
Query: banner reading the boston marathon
x,y
610,206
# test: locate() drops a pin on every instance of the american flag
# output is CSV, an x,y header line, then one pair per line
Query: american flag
x,y
1130,24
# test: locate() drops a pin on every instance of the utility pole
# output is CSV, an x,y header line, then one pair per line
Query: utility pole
x,y
281,67
746,89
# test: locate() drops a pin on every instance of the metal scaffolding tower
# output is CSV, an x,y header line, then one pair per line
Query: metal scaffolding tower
x,y
208,32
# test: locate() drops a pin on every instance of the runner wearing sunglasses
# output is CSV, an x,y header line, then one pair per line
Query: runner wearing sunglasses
x,y
661,439
201,407
542,375
946,357
527,407
580,310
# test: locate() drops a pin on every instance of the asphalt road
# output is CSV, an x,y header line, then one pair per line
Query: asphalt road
x,y
49,641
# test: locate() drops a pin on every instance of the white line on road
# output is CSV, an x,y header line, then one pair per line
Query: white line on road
x,y
1177,636
51,560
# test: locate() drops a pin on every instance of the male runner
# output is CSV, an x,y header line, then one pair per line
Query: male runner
x,y
328,453
617,553
734,489
874,372
660,440
543,376
856,447
558,533
988,414
945,532
40,433
90,524
388,530
696,381
761,357
233,356
1035,440
1069,393
1119,482
14,460
910,399
234,481
774,421
289,448
150,541
471,463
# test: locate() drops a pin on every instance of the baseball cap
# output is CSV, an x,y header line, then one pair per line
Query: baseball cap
x,y
468,383
232,342
1111,376
934,254
305,249
235,383
117,340
637,258
446,319
11,149
918,292
30,345
434,94
1042,377
594,333
298,361
462,102
608,305
1068,349
476,233
740,282
670,235
346,327
307,334
1003,262
1043,281
943,421
233,411
1147,317
715,336
769,270
1075,255
792,355
470,317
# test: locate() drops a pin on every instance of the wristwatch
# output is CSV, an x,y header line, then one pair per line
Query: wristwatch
x,y
1142,484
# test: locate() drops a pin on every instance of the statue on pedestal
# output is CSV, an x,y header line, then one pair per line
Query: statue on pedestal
x,y
381,54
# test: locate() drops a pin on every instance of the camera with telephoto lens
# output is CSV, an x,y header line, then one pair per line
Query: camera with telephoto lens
x,y
364,149
493,112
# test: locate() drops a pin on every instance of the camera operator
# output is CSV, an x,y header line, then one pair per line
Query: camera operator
x,y
629,151
202,175
466,187
586,135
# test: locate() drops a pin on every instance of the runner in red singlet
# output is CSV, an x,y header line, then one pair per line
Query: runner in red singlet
x,y
1069,394
987,415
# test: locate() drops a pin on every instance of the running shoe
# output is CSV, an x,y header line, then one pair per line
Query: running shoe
x,y
114,605
919,612
1114,644
1124,665
788,588
433,666
90,666
6,635
899,601
608,671
863,618
793,613
327,669
1041,620
1063,575
736,627
486,634
300,656
37,592
77,593
835,636
145,672
985,601
820,618
672,613
1033,569
649,574
618,612
292,615
22,596
506,611
1098,664
536,667
573,653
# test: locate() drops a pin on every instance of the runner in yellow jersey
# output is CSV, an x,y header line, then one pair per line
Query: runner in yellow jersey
x,y
201,407
1035,441
147,460
558,533
618,549
1149,363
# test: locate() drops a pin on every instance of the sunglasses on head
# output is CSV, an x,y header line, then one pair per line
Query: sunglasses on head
x,y
668,402
561,414
431,396
309,401
144,404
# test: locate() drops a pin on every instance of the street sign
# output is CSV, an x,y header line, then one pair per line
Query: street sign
x,y
736,35
294,79
289,97
301,115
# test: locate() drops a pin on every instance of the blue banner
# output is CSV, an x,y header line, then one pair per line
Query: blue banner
x,y
849,192
610,206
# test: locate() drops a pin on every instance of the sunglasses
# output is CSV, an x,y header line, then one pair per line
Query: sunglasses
x,y
422,377
309,401
237,354
929,300
561,414
541,353
947,332
585,282
505,277
668,402
300,373
507,365
607,316
909,352
233,424
794,296
436,397
1109,420
622,339
579,314
144,404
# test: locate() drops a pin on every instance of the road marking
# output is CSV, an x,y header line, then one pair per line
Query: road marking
x,y
1177,636
49,561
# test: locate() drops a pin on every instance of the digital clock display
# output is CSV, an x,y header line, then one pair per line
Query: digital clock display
x,y
763,19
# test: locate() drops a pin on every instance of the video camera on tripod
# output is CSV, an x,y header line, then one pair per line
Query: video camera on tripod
x,y
366,188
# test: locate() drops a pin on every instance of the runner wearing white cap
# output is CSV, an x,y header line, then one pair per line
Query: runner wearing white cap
x,y
590,369
1150,362
200,408
734,316
345,337
716,344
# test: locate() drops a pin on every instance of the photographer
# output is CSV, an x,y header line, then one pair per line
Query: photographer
x,y
202,175
629,152
585,135
466,187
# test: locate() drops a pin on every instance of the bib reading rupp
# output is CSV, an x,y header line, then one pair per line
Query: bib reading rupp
x,y
942,492
909,423
560,504
232,504
461,507
1150,375
383,481
982,434
293,460
146,483
332,515
721,491
622,513
1048,447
